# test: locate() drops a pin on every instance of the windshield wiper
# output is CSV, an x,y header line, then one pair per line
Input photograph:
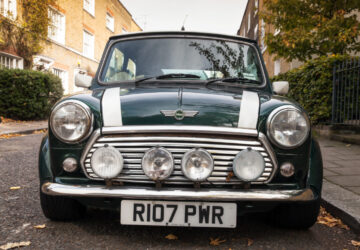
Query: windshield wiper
x,y
233,79
169,76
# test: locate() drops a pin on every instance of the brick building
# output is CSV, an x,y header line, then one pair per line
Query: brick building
x,y
254,28
78,34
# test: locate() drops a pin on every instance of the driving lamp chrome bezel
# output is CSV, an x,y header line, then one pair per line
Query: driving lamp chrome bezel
x,y
186,155
273,115
90,120
171,170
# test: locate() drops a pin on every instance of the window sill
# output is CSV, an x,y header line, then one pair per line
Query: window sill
x,y
112,31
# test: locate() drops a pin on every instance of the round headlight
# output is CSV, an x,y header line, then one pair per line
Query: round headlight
x,y
248,165
197,164
107,162
70,121
288,127
158,164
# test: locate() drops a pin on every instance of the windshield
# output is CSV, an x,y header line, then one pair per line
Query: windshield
x,y
204,58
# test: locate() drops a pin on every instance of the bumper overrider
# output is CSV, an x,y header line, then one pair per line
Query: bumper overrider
x,y
97,191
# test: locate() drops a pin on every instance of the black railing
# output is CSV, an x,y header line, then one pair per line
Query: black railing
x,y
345,99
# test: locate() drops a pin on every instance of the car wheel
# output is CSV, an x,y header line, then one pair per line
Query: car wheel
x,y
61,208
296,216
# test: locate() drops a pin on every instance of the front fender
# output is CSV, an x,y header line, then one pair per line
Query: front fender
x,y
45,172
315,175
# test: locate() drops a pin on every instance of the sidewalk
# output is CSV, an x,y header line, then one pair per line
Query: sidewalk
x,y
341,189
22,127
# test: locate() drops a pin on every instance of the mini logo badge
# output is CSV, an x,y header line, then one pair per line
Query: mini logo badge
x,y
179,114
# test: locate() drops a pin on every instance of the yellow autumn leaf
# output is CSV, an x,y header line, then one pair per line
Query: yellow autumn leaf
x,y
249,242
355,243
15,188
11,245
216,242
171,237
327,219
40,226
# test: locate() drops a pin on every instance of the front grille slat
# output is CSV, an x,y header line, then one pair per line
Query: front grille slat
x,y
222,150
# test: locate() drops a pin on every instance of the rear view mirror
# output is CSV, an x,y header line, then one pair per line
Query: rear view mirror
x,y
280,87
83,81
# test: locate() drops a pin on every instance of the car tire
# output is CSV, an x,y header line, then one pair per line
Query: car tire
x,y
61,208
296,216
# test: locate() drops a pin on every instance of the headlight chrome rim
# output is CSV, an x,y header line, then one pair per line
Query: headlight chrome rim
x,y
274,113
170,171
183,162
88,113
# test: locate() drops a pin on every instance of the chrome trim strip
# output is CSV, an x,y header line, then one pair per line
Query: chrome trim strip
x,y
249,110
124,192
111,107
271,153
180,129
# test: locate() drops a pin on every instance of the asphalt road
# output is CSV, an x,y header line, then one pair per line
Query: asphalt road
x,y
20,211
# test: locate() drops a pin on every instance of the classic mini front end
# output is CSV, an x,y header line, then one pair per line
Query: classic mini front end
x,y
181,129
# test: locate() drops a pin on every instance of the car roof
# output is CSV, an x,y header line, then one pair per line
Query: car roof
x,y
181,33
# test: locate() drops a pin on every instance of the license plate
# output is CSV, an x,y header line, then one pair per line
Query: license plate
x,y
179,213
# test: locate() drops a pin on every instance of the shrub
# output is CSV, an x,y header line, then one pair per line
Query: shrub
x,y
28,94
311,86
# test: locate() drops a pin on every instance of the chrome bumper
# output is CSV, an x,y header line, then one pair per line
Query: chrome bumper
x,y
56,189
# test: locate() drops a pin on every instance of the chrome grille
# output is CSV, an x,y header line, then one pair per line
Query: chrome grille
x,y
223,151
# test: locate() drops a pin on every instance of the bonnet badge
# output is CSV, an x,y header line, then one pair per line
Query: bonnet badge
x,y
179,114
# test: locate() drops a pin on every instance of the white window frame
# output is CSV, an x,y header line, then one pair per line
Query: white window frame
x,y
59,35
88,44
256,7
8,8
63,75
124,31
277,67
262,36
109,22
249,22
9,61
277,32
43,61
89,6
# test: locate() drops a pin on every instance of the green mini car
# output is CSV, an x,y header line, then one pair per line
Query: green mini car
x,y
181,129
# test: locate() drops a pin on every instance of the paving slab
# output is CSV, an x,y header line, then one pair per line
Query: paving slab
x,y
345,181
22,127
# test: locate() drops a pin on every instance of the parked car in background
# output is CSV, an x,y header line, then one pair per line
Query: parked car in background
x,y
181,129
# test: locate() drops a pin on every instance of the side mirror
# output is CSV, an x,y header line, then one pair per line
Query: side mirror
x,y
281,87
83,81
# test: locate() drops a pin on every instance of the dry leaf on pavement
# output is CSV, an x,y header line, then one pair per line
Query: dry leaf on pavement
x,y
8,136
216,242
171,237
40,226
11,245
327,219
15,188
249,242
355,243
348,145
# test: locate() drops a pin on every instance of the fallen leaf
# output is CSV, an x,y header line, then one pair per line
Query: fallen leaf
x,y
8,136
11,245
249,242
327,219
216,242
348,145
355,243
41,131
15,188
40,226
171,237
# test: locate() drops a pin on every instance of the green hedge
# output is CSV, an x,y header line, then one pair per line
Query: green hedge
x,y
311,86
28,94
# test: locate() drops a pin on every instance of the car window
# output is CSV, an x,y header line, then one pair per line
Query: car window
x,y
206,58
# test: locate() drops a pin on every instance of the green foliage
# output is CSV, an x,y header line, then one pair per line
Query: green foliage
x,y
311,86
312,27
28,94
27,34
